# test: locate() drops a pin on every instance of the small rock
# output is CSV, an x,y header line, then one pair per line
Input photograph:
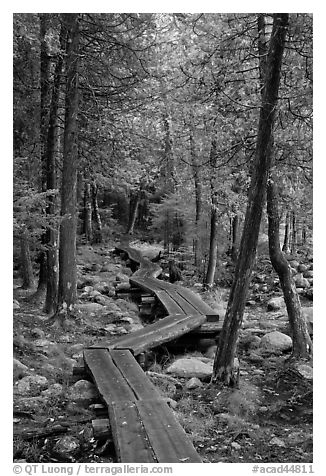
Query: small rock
x,y
211,351
194,382
255,358
16,305
67,446
190,367
294,264
94,293
308,274
302,268
122,278
38,333
263,409
300,281
258,372
277,442
83,392
100,299
74,349
88,289
235,446
305,371
172,403
31,385
275,304
19,369
276,342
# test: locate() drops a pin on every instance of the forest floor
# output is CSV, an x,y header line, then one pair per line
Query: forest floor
x,y
268,418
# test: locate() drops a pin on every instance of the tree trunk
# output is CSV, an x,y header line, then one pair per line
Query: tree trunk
x,y
213,242
294,233
198,198
67,292
45,83
235,238
26,267
213,239
96,214
285,247
88,229
52,234
223,369
133,210
302,346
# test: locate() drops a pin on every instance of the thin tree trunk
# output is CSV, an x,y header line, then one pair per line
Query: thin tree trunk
x,y
198,198
45,82
96,214
133,211
26,267
235,238
223,370
302,346
88,229
52,234
67,292
294,233
213,239
285,247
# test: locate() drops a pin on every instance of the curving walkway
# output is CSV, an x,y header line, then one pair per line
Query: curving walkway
x,y
144,428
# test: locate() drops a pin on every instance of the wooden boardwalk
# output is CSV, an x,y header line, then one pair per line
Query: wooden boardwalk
x,y
144,428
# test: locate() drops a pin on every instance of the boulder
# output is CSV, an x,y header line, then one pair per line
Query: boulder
x,y
194,382
309,274
31,385
275,342
19,369
275,303
305,371
83,392
302,268
300,281
67,446
294,264
190,367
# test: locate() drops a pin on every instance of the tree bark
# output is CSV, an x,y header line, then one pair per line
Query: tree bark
x,y
133,211
45,88
26,267
213,239
198,198
223,370
96,214
52,234
302,346
88,229
67,292
285,247
235,238
294,232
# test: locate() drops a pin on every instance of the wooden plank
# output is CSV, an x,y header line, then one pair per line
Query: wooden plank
x,y
130,439
134,375
208,328
107,378
170,305
198,303
186,306
182,325
167,438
